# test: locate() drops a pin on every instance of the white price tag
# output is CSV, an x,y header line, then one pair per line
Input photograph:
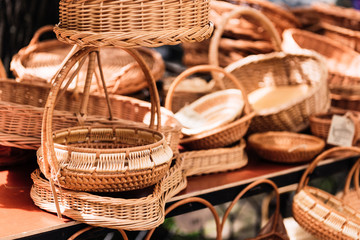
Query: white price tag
x,y
342,130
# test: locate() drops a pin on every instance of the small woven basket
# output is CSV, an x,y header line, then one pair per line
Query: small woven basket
x,y
40,60
220,136
132,210
322,214
278,69
215,160
342,61
286,147
102,158
128,23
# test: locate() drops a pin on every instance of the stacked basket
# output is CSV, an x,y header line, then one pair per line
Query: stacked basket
x,y
83,162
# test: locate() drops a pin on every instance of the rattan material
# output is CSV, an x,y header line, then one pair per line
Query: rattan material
x,y
40,60
342,62
86,158
128,23
193,200
220,136
322,214
351,195
215,160
346,101
320,123
128,211
286,147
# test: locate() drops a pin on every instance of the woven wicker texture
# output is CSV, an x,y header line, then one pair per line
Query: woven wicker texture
x,y
320,123
193,200
40,60
275,228
346,101
351,194
342,62
128,23
128,211
215,160
220,136
286,147
339,23
322,214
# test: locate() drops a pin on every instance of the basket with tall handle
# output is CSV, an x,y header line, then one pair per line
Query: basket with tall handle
x,y
109,157
278,70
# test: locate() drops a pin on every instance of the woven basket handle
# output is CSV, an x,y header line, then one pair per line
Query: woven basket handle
x,y
246,11
205,68
353,175
81,231
245,190
193,200
305,177
39,32
2,70
47,142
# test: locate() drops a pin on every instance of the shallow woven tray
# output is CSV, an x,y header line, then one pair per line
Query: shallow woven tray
x,y
210,111
214,160
342,62
286,147
220,136
322,214
128,23
139,210
40,60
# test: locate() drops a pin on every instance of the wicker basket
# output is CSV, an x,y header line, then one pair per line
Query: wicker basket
x,y
40,60
215,160
346,101
320,124
128,23
132,210
351,195
220,136
286,147
103,158
322,214
342,62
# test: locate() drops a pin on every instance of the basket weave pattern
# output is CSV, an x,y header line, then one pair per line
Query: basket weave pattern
x,y
126,23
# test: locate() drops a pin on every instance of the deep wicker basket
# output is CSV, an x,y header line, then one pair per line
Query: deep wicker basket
x,y
131,210
286,147
322,214
128,23
40,60
89,158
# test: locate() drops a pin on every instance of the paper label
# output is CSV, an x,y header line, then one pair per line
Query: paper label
x,y
341,132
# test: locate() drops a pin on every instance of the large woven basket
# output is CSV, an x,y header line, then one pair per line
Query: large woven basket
x,y
322,214
220,136
279,69
342,61
132,210
128,23
40,60
104,158
286,147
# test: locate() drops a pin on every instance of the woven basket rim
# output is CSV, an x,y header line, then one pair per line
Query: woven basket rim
x,y
258,141
336,10
342,30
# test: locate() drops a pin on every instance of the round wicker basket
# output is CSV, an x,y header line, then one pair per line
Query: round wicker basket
x,y
128,23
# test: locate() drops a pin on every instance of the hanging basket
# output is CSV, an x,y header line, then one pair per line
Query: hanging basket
x,y
286,147
102,158
322,214
128,23
40,61
131,210
279,70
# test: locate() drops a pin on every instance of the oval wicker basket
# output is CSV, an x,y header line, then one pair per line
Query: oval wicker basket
x,y
222,135
322,214
128,23
279,69
141,156
286,147
131,210
342,62
40,60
